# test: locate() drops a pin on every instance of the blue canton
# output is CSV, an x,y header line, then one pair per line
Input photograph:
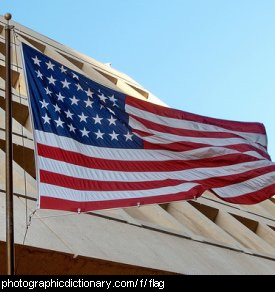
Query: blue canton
x,y
68,104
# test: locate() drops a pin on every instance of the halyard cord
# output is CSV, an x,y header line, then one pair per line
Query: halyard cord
x,y
28,217
19,89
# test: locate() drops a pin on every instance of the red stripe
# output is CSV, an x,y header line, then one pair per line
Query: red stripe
x,y
187,146
246,147
183,132
222,181
139,166
252,198
93,185
181,115
65,205
141,133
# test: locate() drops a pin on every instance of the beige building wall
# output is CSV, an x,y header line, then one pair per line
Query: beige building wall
x,y
206,236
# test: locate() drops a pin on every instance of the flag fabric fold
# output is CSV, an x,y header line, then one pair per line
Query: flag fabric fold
x,y
97,148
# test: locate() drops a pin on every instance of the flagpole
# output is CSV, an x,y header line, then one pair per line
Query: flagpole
x,y
9,153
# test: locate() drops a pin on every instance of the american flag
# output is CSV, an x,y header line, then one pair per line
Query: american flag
x,y
97,148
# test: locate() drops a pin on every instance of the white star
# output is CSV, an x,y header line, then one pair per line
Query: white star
x,y
71,128
74,100
114,136
128,136
39,74
97,120
113,99
83,118
85,132
99,135
36,61
50,65
89,93
51,80
75,76
66,84
89,103
59,123
63,70
44,104
48,92
46,119
69,115
111,111
102,97
57,108
79,87
60,97
112,121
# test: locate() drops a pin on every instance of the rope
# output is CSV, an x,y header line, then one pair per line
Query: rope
x,y
27,216
61,215
23,146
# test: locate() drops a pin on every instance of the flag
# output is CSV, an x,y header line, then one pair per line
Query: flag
x,y
97,148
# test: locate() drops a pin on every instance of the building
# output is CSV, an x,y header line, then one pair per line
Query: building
x,y
206,236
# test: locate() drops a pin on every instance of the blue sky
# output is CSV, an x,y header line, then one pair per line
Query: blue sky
x,y
210,57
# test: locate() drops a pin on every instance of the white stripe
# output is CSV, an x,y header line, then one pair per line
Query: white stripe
x,y
120,176
190,125
246,187
93,196
69,144
166,138
254,154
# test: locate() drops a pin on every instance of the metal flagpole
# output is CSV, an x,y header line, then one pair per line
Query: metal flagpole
x,y
9,153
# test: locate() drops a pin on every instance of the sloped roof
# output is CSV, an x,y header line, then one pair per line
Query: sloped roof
x,y
206,236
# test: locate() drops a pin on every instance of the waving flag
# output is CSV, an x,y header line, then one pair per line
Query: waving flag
x,y
97,148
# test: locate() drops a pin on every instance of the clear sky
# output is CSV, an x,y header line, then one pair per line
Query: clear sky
x,y
210,57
